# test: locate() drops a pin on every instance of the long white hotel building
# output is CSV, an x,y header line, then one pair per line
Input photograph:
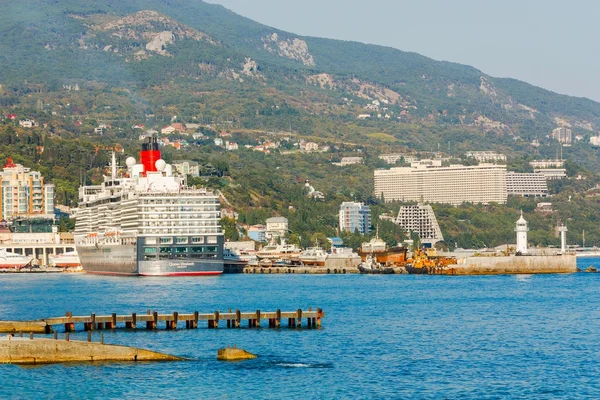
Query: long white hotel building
x,y
429,182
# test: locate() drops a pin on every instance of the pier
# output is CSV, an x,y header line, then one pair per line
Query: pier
x,y
153,320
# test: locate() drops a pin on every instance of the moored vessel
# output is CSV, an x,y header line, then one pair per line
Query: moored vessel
x,y
10,260
146,221
70,259
279,252
313,257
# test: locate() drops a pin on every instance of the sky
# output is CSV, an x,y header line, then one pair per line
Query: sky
x,y
550,43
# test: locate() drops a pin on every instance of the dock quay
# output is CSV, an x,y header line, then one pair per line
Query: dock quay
x,y
153,320
19,350
287,269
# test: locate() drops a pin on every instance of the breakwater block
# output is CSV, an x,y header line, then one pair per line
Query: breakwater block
x,y
234,354
15,350
23,326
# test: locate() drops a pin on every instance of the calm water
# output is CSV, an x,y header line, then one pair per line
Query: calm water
x,y
383,337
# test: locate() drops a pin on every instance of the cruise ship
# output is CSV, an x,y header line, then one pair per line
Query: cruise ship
x,y
146,221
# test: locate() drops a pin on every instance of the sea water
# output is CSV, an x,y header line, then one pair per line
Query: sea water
x,y
383,336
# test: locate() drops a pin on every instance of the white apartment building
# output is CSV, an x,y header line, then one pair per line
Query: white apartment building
x,y
277,227
24,193
349,161
563,135
421,220
595,140
547,163
486,156
526,184
551,173
484,183
395,157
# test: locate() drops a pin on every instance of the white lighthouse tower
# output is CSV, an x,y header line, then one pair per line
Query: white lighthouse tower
x,y
563,239
522,230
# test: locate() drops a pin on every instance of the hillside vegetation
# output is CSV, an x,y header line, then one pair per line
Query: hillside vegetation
x,y
74,65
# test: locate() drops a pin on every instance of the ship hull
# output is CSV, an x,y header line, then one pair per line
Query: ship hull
x,y
121,260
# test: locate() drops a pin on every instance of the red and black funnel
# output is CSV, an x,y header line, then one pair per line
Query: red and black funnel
x,y
150,154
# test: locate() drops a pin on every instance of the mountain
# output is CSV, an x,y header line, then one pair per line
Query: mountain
x,y
198,60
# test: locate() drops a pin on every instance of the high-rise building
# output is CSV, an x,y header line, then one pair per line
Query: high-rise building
x,y
24,193
355,217
455,184
420,219
563,135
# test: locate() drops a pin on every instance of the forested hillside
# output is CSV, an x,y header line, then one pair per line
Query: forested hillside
x,y
74,66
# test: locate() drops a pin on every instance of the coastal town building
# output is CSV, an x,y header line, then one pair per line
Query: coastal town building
x,y
486,156
277,227
258,233
355,217
24,194
526,184
595,140
186,167
393,158
547,163
349,161
429,182
420,219
28,123
231,146
562,134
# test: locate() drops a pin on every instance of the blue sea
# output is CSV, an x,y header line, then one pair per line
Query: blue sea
x,y
432,337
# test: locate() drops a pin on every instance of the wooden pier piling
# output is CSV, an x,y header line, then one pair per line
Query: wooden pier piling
x,y
153,319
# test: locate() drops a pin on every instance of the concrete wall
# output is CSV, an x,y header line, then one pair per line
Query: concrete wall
x,y
514,265
43,351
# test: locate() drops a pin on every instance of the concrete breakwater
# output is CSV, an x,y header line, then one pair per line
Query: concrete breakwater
x,y
554,264
15,350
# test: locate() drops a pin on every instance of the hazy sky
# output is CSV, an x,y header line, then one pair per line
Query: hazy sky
x,y
548,43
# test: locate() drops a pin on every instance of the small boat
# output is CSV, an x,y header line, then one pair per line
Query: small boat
x,y
10,260
70,259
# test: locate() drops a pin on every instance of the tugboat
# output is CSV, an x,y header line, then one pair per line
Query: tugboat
x,y
424,261
371,266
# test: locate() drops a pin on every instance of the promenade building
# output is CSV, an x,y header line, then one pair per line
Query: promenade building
x,y
420,219
526,184
432,183
24,194
355,217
